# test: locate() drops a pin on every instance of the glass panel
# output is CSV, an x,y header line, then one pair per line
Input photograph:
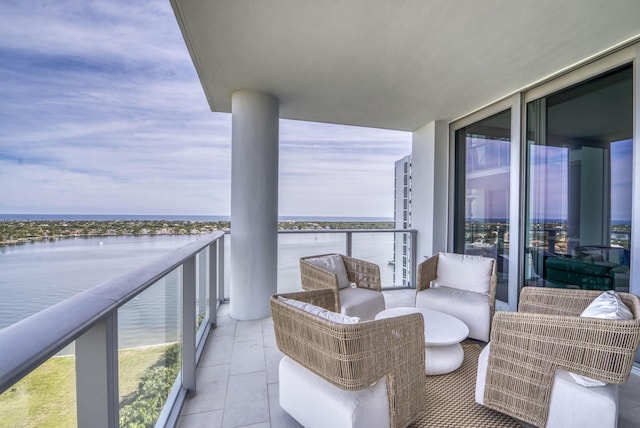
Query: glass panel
x,y
149,350
375,247
579,163
483,158
293,246
202,289
44,398
378,248
401,260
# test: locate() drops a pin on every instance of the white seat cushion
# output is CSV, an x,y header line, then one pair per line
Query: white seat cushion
x,y
464,272
314,402
334,264
361,302
471,308
571,405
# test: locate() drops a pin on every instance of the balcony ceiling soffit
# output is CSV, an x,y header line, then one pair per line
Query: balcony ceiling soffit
x,y
392,64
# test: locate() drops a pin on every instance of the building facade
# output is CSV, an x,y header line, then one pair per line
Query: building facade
x,y
402,220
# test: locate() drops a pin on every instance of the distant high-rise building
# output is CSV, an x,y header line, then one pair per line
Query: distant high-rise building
x,y
402,219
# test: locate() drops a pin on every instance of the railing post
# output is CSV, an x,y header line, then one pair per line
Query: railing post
x,y
349,245
97,375
201,292
213,282
189,324
414,259
221,269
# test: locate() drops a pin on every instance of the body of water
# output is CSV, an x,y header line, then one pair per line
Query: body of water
x,y
37,275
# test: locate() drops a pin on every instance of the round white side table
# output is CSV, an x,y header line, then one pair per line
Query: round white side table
x,y
442,336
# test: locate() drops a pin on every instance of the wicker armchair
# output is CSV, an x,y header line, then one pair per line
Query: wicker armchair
x,y
546,338
353,357
465,290
362,299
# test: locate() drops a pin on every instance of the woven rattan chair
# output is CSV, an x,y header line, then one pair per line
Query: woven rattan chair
x,y
547,338
465,290
356,292
353,357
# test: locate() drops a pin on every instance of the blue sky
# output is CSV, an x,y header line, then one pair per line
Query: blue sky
x,y
550,182
101,112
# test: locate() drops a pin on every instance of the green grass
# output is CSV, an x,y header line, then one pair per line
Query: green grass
x,y
46,397
132,364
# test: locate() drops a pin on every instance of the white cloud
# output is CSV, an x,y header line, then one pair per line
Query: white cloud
x,y
103,113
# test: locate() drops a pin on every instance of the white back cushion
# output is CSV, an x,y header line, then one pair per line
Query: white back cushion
x,y
334,264
320,312
464,272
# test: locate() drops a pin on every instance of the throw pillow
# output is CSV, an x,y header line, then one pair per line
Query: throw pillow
x,y
608,306
333,263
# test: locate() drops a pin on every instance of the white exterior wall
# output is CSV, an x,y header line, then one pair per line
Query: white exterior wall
x,y
430,188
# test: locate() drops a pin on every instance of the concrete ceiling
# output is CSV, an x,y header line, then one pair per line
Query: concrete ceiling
x,y
392,64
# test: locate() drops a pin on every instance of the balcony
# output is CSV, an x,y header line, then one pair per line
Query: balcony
x,y
240,366
233,365
93,330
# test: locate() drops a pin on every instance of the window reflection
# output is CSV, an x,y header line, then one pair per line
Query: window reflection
x,y
483,154
579,163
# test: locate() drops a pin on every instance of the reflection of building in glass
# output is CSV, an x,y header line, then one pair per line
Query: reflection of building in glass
x,y
402,219
579,185
487,194
484,153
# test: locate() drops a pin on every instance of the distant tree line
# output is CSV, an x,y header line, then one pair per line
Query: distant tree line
x,y
16,232
13,232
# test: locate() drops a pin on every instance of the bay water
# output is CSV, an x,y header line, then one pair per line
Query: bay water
x,y
39,274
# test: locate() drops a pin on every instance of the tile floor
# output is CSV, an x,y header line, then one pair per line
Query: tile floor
x,y
237,377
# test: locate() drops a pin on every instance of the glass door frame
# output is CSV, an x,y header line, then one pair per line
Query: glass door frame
x,y
513,103
517,102
629,55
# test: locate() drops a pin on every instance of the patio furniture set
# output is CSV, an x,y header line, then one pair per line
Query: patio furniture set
x,y
351,362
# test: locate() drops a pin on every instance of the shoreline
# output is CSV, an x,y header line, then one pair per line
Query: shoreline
x,y
20,232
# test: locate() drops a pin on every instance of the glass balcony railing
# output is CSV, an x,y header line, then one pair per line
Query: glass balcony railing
x,y
391,249
125,352
129,345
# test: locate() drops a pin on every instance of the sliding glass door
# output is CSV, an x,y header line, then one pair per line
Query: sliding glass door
x,y
579,152
483,159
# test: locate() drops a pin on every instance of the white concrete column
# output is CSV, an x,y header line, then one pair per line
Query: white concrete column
x,y
254,203
430,188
